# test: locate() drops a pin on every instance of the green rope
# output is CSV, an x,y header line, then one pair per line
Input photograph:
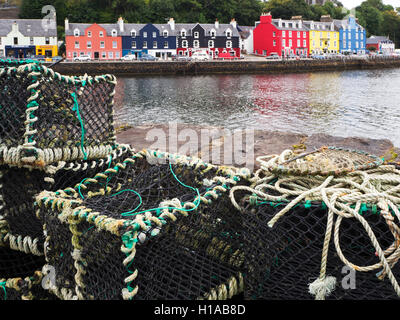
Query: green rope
x,y
129,190
76,108
3,285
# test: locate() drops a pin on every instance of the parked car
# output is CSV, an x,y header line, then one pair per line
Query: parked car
x,y
273,56
227,56
128,57
56,59
200,55
39,58
84,57
147,57
318,56
177,57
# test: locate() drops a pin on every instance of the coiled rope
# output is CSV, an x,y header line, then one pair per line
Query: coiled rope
x,y
344,196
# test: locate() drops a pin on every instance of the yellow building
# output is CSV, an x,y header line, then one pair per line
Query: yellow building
x,y
323,37
47,51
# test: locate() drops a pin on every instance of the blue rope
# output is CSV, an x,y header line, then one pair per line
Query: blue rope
x,y
3,285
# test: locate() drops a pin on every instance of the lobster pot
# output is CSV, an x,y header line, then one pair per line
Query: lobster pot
x,y
21,276
4,63
141,231
18,187
47,117
283,260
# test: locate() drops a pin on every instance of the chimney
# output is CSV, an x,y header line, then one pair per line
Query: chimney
x,y
66,24
326,18
121,24
171,23
233,23
15,27
216,24
266,18
280,23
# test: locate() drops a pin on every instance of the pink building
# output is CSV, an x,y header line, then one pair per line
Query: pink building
x,y
99,41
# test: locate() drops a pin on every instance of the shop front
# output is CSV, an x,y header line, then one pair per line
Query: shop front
x,y
47,51
20,52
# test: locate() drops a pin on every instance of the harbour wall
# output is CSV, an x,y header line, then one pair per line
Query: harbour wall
x,y
221,67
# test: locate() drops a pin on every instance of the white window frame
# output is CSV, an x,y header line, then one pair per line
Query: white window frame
x,y
183,33
89,44
154,34
102,44
211,43
77,45
213,33
111,55
101,34
283,33
114,33
228,33
115,44
145,34
117,55
31,41
144,44
229,44
133,44
196,34
77,33
196,44
89,34
184,43
165,33
155,45
165,44
290,34
104,55
133,33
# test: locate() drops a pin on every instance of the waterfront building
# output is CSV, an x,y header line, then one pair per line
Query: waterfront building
x,y
324,38
283,37
246,42
159,40
24,38
211,38
99,41
381,44
352,35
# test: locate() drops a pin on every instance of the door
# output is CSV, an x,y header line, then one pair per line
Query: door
x,y
96,55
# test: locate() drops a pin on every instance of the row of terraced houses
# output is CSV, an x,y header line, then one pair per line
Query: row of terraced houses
x,y
22,38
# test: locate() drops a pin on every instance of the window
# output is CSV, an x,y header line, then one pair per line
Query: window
x,y
133,44
357,45
229,44
274,34
298,34
47,40
15,40
75,54
165,33
144,44
110,55
196,34
212,33
104,55
117,55
89,44
264,52
334,43
115,45
274,43
210,43
133,33
165,44
76,44
30,40
102,45
229,33
114,33
349,35
196,44
304,34
89,34
304,43
335,35
290,34
154,34
283,33
313,43
298,42
145,34
290,42
101,34
283,43
154,44
184,44
81,54
344,44
76,33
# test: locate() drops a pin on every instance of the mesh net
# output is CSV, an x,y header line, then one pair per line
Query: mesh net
x,y
18,187
20,276
327,161
47,117
15,63
185,257
284,260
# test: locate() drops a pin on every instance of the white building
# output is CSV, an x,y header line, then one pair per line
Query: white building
x,y
22,38
246,39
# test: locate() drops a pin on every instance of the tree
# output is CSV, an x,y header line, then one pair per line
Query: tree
x,y
391,26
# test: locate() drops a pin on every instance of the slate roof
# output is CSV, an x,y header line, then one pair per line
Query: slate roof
x,y
28,27
275,22
327,25
376,39
109,27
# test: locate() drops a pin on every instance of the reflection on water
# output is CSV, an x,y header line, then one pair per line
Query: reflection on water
x,y
351,103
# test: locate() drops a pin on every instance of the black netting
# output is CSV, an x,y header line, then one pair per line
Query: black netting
x,y
284,260
4,63
64,112
21,185
184,260
14,264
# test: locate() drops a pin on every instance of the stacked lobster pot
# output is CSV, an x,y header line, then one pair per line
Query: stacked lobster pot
x,y
154,226
322,225
55,131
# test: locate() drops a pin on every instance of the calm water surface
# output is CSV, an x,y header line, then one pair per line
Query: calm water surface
x,y
352,103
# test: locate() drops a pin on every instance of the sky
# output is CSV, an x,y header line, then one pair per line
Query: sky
x,y
354,3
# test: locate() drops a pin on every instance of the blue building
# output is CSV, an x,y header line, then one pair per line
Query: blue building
x,y
352,36
159,40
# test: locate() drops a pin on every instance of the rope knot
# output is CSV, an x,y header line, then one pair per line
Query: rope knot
x,y
322,288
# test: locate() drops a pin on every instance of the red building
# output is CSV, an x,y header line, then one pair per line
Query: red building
x,y
99,41
283,37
